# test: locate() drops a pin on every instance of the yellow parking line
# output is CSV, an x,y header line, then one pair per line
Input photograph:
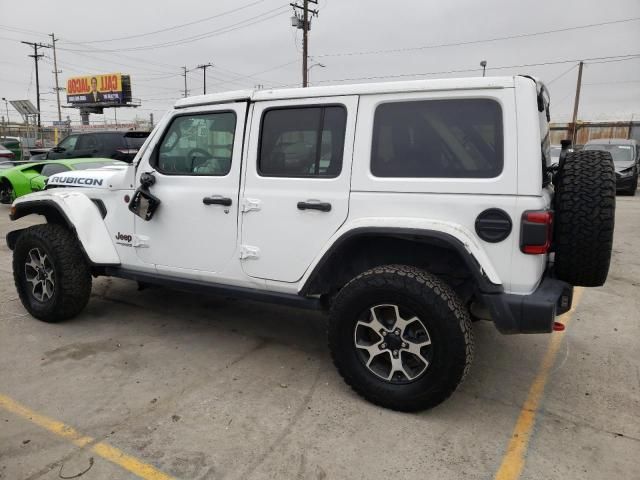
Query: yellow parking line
x,y
514,459
104,450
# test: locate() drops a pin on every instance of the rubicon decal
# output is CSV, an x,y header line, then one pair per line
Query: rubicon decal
x,y
75,181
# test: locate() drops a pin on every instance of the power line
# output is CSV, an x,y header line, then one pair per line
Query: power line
x,y
176,27
229,28
471,42
560,76
594,60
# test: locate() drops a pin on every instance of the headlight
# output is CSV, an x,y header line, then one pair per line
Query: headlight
x,y
626,173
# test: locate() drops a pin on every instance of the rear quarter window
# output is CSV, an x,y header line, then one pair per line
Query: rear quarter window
x,y
461,138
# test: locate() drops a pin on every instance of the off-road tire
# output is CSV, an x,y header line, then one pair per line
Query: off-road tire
x,y
437,306
585,202
71,272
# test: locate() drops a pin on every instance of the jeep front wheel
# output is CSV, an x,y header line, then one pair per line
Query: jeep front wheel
x,y
51,274
400,337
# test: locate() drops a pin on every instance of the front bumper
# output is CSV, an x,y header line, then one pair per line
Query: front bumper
x,y
534,313
624,183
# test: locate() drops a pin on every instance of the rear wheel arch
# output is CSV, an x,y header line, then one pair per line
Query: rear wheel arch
x,y
363,248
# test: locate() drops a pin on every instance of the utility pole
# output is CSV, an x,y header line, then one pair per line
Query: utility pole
x,y
56,72
184,74
575,105
303,22
204,74
37,57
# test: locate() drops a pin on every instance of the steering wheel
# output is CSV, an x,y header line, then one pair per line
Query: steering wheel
x,y
192,155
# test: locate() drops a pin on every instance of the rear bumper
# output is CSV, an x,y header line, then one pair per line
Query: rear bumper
x,y
534,313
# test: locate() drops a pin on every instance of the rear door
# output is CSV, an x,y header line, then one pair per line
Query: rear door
x,y
296,192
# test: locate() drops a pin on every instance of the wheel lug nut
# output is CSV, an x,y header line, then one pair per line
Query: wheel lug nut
x,y
383,346
404,345
384,333
395,353
397,332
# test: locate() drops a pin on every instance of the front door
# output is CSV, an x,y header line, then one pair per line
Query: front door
x,y
296,191
196,165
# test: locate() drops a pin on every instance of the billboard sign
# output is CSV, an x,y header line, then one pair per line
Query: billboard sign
x,y
102,89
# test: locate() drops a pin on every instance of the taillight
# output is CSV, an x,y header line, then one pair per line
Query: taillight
x,y
536,232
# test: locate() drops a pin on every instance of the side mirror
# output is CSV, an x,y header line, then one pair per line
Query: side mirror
x,y
144,204
58,149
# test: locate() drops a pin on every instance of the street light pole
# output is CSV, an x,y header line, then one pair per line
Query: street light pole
x,y
321,65
483,64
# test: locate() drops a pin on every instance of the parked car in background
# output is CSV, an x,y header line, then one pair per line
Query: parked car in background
x,y
115,145
6,155
626,157
14,145
31,177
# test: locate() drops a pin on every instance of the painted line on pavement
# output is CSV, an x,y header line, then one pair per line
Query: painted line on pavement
x,y
514,459
102,449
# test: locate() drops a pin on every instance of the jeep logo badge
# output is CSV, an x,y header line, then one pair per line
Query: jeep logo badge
x,y
124,238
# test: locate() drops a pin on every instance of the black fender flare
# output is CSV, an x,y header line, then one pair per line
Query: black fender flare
x,y
433,237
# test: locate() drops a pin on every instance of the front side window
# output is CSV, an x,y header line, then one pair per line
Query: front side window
x,y
302,142
69,143
438,139
198,145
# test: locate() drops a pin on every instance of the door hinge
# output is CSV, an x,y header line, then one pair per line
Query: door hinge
x,y
249,204
247,251
140,241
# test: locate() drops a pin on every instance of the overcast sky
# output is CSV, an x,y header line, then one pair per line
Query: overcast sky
x,y
251,42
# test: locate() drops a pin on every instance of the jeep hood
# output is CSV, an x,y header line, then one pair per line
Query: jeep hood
x,y
111,177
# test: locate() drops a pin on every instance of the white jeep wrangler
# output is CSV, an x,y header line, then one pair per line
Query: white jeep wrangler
x,y
405,209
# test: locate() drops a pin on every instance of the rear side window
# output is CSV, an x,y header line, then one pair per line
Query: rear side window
x,y
110,142
134,142
302,142
438,139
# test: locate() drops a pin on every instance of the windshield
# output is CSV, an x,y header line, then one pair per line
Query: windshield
x,y
620,153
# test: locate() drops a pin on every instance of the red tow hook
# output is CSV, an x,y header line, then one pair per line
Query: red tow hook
x,y
558,327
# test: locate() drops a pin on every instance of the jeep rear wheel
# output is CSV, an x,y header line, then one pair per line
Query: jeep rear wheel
x,y
51,274
585,203
400,337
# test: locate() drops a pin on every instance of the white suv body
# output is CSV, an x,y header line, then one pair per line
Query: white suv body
x,y
263,241
288,195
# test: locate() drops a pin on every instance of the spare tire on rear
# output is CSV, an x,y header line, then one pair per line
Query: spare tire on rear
x,y
585,202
